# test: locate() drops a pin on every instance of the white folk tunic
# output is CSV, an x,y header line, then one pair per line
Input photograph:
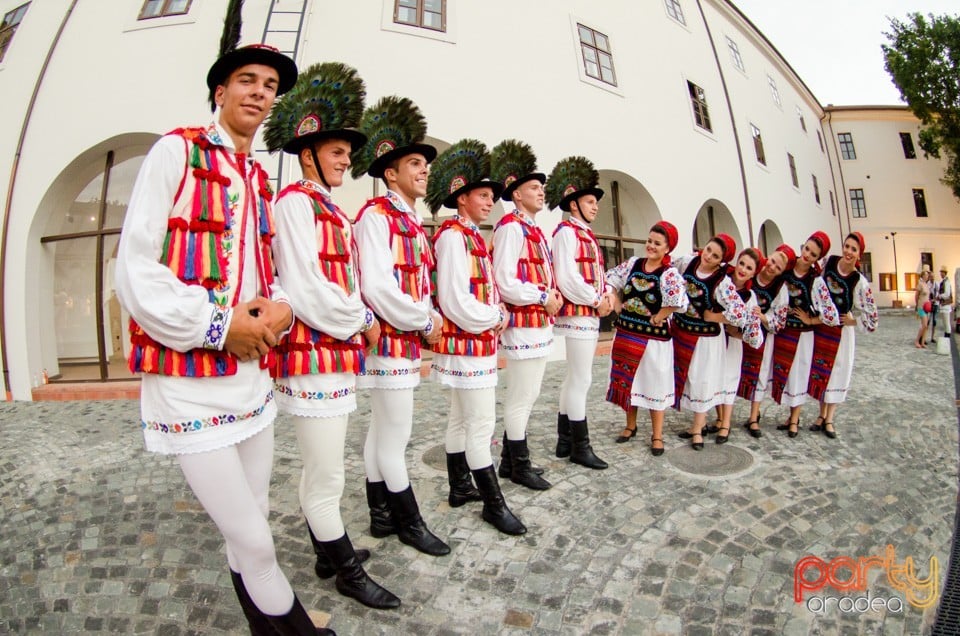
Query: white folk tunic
x,y
186,414
573,286
867,320
519,343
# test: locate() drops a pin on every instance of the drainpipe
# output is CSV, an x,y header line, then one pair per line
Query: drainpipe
x,y
843,185
7,204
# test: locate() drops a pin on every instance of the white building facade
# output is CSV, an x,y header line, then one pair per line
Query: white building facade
x,y
687,110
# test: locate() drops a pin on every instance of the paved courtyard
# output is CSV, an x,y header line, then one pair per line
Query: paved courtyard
x,y
99,536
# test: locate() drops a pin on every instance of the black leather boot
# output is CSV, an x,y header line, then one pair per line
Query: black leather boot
x,y
296,622
458,476
410,526
582,453
495,511
506,462
351,580
381,520
563,435
323,567
522,468
257,620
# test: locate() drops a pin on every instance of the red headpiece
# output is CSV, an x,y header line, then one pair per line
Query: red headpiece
x,y
671,232
729,246
789,253
821,239
860,240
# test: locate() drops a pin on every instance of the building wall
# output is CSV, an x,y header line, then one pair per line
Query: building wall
x,y
501,70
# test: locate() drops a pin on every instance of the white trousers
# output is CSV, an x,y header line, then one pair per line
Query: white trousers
x,y
473,418
233,486
576,382
391,422
524,378
321,441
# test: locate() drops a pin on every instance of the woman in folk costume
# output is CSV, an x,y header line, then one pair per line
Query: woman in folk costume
x,y
465,359
194,271
524,274
396,262
810,305
698,343
317,361
578,267
774,302
834,347
641,360
749,262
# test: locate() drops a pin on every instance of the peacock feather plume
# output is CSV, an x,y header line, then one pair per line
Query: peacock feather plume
x,y
569,177
465,162
230,38
393,122
512,162
327,97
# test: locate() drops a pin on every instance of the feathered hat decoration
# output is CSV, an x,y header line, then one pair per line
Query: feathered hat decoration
x,y
571,179
395,128
230,57
325,103
513,163
462,167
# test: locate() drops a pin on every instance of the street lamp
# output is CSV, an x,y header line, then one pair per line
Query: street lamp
x,y
896,272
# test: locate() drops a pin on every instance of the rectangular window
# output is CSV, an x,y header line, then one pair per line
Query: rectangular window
x,y
910,280
847,151
888,282
907,142
793,170
816,189
699,100
9,26
820,141
919,202
675,11
427,14
735,54
803,123
833,204
597,57
774,91
758,144
858,203
161,8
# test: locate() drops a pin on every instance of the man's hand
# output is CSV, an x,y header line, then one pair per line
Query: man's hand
x,y
372,335
503,324
554,302
433,337
249,337
276,316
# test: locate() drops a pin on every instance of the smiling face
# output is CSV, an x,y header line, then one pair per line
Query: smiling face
x,y
657,246
585,208
746,268
775,265
407,176
810,253
334,158
851,251
711,256
246,97
476,204
529,196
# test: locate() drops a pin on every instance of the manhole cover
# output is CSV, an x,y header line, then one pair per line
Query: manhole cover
x,y
436,458
713,461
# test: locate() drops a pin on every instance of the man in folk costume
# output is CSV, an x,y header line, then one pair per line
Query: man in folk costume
x,y
465,358
524,275
195,273
396,263
317,361
579,271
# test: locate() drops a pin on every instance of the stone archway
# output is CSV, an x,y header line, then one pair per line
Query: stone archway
x,y
714,217
769,236
627,211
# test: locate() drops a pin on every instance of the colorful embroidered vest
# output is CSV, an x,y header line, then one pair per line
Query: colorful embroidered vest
x,y
841,287
533,266
642,299
305,350
412,267
203,247
454,340
589,264
700,293
801,296
766,295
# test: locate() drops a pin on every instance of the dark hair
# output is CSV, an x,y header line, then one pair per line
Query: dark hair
x,y
662,231
855,238
752,253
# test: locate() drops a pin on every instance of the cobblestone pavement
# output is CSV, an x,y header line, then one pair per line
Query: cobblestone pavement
x,y
98,535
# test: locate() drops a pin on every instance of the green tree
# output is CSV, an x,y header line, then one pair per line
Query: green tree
x,y
923,58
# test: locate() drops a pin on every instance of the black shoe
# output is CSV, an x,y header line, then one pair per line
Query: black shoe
x,y
754,432
296,622
563,435
381,520
257,621
506,462
352,580
793,428
816,426
522,472
829,432
626,435
458,476
323,567
697,446
722,439
685,434
710,429
582,453
495,511
410,526
656,452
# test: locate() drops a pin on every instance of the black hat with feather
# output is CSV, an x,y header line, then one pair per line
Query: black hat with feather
x,y
232,57
325,103
571,179
395,128
462,167
513,163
